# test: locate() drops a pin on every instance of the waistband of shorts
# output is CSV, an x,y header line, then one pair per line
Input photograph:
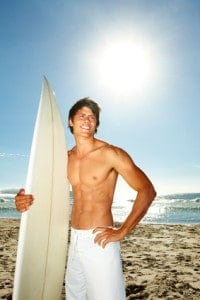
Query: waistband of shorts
x,y
84,232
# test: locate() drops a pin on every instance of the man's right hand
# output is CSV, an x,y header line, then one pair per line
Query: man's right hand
x,y
23,201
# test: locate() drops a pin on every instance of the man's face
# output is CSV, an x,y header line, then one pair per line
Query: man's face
x,y
83,122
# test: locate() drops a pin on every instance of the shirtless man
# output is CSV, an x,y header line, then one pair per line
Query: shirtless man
x,y
94,270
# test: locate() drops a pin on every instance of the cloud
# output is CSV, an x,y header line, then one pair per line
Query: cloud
x,y
4,154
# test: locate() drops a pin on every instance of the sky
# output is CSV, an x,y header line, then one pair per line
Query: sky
x,y
139,59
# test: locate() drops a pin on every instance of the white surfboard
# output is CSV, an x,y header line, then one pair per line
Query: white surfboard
x,y
43,235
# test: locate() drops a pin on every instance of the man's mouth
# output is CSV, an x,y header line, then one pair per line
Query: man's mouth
x,y
85,127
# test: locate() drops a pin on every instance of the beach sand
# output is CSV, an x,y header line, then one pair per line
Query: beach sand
x,y
159,261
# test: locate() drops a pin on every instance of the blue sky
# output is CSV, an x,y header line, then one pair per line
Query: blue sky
x,y
156,121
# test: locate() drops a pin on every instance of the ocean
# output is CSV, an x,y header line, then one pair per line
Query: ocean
x,y
166,209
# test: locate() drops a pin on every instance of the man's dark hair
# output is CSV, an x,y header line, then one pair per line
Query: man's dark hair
x,y
88,103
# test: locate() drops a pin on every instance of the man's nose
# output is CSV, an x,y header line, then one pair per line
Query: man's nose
x,y
86,118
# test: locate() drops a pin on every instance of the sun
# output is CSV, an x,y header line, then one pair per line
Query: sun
x,y
125,66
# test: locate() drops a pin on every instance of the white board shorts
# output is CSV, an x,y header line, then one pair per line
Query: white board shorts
x,y
93,273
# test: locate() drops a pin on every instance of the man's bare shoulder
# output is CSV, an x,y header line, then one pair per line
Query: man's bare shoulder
x,y
112,149
117,155
105,147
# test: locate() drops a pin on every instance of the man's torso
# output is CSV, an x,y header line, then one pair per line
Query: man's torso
x,y
93,182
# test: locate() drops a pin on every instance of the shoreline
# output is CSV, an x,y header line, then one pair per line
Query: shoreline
x,y
160,261
17,219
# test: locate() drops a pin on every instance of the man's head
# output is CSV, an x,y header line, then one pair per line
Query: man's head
x,y
85,102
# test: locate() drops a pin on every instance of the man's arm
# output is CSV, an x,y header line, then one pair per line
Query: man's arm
x,y
138,180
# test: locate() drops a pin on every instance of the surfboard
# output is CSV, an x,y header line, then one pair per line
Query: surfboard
x,y
43,234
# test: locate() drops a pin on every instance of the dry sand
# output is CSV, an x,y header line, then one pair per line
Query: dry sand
x,y
159,261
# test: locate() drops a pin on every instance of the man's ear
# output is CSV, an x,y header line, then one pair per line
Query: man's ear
x,y
70,122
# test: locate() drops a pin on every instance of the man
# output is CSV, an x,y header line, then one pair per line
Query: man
x,y
94,269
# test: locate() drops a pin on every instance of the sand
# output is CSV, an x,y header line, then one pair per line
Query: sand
x,y
159,261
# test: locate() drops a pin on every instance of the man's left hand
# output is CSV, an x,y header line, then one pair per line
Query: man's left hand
x,y
106,235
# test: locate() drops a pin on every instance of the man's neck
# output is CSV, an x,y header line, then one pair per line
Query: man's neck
x,y
84,145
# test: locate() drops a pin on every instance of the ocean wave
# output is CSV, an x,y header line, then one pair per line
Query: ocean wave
x,y
176,208
180,196
3,200
8,192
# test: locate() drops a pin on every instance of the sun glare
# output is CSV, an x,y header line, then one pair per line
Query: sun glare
x,y
124,67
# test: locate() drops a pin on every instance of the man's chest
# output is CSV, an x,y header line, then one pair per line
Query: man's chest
x,y
87,171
